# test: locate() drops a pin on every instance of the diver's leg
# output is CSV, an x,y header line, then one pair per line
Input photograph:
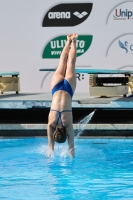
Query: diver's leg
x,y
61,69
70,71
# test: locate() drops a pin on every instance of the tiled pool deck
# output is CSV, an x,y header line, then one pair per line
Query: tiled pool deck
x,y
93,140
88,127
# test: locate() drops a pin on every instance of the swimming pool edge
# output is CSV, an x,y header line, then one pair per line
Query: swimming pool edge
x,y
89,130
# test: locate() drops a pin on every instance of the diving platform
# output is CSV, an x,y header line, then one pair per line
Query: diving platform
x,y
94,71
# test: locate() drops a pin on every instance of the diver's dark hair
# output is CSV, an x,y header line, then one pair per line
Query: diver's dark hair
x,y
59,134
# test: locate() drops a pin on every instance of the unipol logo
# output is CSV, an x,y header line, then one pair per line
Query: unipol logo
x,y
122,12
70,14
54,48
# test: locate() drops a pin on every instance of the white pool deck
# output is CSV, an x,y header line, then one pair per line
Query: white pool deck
x,y
25,100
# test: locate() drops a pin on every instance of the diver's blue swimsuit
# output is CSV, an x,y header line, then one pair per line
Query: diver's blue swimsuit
x,y
59,118
63,85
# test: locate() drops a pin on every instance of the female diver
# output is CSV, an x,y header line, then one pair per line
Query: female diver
x,y
63,84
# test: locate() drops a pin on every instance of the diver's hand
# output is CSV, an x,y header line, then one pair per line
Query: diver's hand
x,y
71,152
50,153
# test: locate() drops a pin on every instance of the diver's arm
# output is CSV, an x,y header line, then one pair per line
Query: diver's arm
x,y
50,139
70,133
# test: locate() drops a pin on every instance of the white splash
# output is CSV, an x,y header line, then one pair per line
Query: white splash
x,y
82,123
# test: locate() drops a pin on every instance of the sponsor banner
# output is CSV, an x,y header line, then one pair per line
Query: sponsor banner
x,y
69,14
42,34
54,48
122,12
122,45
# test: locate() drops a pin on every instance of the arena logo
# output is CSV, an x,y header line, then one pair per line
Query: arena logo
x,y
54,48
70,14
126,46
122,11
59,15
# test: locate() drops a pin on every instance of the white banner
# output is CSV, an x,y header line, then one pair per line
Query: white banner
x,y
28,27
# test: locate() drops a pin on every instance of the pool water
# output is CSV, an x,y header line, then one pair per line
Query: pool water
x,y
100,170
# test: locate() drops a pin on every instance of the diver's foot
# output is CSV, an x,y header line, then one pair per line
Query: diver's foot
x,y
69,37
74,37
